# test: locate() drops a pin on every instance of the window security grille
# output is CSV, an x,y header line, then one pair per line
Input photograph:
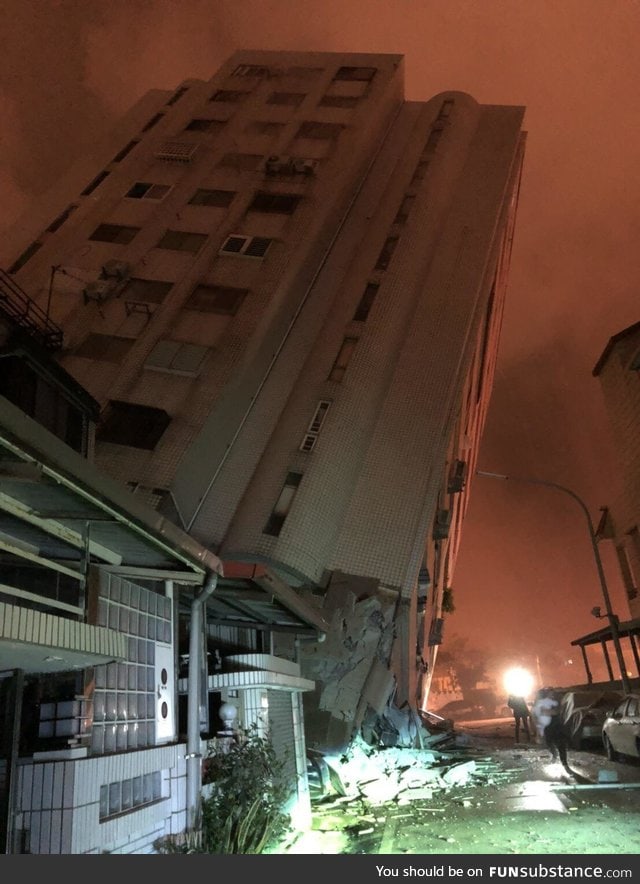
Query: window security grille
x,y
176,151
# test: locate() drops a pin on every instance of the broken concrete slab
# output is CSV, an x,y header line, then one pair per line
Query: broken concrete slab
x,y
459,774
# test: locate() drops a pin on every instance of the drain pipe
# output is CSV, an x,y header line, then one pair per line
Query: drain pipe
x,y
194,755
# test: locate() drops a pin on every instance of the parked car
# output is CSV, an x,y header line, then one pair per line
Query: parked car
x,y
584,713
621,729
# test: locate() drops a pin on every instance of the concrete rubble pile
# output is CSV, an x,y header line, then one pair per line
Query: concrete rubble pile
x,y
393,774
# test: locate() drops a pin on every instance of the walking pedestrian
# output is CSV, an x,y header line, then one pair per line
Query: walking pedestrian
x,y
557,739
521,715
542,711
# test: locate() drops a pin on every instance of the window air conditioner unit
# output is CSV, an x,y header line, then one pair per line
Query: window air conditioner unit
x,y
302,166
457,477
176,151
275,164
99,290
115,269
442,524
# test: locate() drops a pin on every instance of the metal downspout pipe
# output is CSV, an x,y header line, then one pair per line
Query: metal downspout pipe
x,y
194,756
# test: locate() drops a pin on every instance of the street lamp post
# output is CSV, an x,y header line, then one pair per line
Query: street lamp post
x,y
613,620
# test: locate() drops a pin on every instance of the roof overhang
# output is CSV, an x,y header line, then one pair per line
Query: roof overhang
x,y
626,628
252,595
57,511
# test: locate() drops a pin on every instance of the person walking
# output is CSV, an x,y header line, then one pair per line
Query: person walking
x,y
521,715
542,711
556,738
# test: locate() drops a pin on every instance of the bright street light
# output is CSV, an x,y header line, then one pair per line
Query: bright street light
x,y
518,681
613,619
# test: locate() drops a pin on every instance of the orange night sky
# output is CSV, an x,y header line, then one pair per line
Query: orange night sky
x,y
526,578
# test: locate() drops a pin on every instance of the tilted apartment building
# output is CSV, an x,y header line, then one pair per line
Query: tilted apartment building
x,y
617,372
284,286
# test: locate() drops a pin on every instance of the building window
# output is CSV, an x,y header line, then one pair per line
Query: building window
x,y
349,73
177,95
403,211
290,99
125,150
28,253
204,125
152,122
139,426
314,129
146,291
62,217
233,95
216,299
420,171
283,504
176,356
304,73
125,796
434,137
342,359
115,233
21,383
182,241
264,127
251,70
250,246
445,109
142,190
278,203
338,101
219,198
95,183
387,251
313,430
105,348
366,302
242,162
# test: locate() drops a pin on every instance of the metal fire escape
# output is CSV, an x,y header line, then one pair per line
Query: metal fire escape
x,y
22,311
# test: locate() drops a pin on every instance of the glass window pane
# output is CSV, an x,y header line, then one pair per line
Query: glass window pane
x,y
127,794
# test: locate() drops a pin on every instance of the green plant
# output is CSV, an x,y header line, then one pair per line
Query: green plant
x,y
244,812
448,605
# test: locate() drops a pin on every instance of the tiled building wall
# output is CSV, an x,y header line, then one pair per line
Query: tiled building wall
x,y
287,735
81,258
59,806
380,420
